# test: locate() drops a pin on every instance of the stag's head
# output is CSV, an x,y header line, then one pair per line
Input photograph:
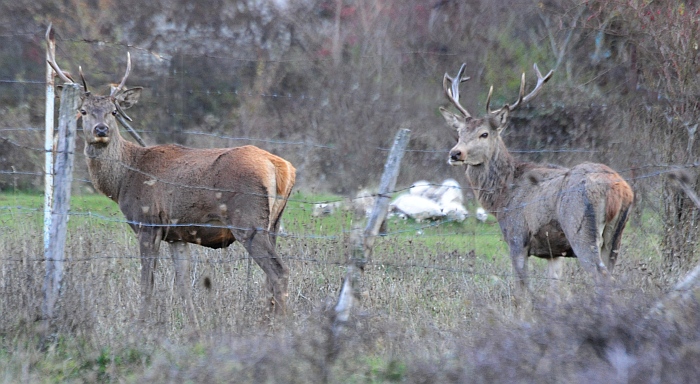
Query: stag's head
x,y
480,138
99,113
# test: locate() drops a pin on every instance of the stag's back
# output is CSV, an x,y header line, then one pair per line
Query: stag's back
x,y
554,205
206,186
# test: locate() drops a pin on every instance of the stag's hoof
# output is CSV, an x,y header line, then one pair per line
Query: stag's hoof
x,y
276,308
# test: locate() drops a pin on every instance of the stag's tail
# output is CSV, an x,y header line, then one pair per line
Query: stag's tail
x,y
285,176
618,203
619,200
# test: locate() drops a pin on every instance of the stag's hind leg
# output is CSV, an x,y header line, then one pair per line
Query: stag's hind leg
x,y
260,247
583,223
181,260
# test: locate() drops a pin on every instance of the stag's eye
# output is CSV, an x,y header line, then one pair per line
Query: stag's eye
x,y
83,112
114,113
484,135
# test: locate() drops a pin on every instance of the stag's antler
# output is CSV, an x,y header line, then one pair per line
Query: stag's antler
x,y
82,78
115,91
119,87
65,76
451,87
522,99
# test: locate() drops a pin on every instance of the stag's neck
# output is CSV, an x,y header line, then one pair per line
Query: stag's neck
x,y
491,181
108,165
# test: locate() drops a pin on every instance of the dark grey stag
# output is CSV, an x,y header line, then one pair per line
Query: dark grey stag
x,y
543,210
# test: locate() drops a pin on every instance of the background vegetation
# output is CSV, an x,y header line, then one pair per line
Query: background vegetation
x,y
326,84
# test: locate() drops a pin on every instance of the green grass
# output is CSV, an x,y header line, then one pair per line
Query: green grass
x,y
80,204
298,218
20,209
297,215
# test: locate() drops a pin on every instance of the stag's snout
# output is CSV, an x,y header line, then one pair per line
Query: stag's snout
x,y
456,157
101,130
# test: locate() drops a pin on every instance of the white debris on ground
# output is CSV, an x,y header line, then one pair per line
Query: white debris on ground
x,y
428,201
481,215
326,209
455,211
361,205
423,201
416,207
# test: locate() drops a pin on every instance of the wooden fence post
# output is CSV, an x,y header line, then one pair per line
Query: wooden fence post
x,y
48,137
362,252
63,171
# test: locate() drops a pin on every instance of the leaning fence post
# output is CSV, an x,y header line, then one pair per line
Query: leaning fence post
x,y
362,252
63,171
687,288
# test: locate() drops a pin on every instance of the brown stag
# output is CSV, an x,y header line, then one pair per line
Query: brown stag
x,y
543,210
210,197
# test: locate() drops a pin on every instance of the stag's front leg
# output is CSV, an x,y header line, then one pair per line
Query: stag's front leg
x,y
181,259
149,244
518,257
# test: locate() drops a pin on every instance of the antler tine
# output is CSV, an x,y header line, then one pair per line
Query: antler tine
x,y
452,92
521,93
520,97
52,60
82,77
128,70
540,80
488,101
121,112
538,88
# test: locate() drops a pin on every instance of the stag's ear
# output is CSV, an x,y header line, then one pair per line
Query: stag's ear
x,y
129,97
499,120
452,120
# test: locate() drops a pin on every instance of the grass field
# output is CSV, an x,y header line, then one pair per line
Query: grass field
x,y
437,306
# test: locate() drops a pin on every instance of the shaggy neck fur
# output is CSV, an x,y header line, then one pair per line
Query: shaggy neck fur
x,y
108,164
491,179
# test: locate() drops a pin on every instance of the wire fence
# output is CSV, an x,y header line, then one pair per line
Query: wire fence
x,y
17,136
419,230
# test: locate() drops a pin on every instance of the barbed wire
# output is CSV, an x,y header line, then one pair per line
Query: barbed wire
x,y
325,146
14,129
305,143
342,234
665,169
34,82
232,259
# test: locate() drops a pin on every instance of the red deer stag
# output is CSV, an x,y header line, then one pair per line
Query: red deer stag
x,y
210,197
543,210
